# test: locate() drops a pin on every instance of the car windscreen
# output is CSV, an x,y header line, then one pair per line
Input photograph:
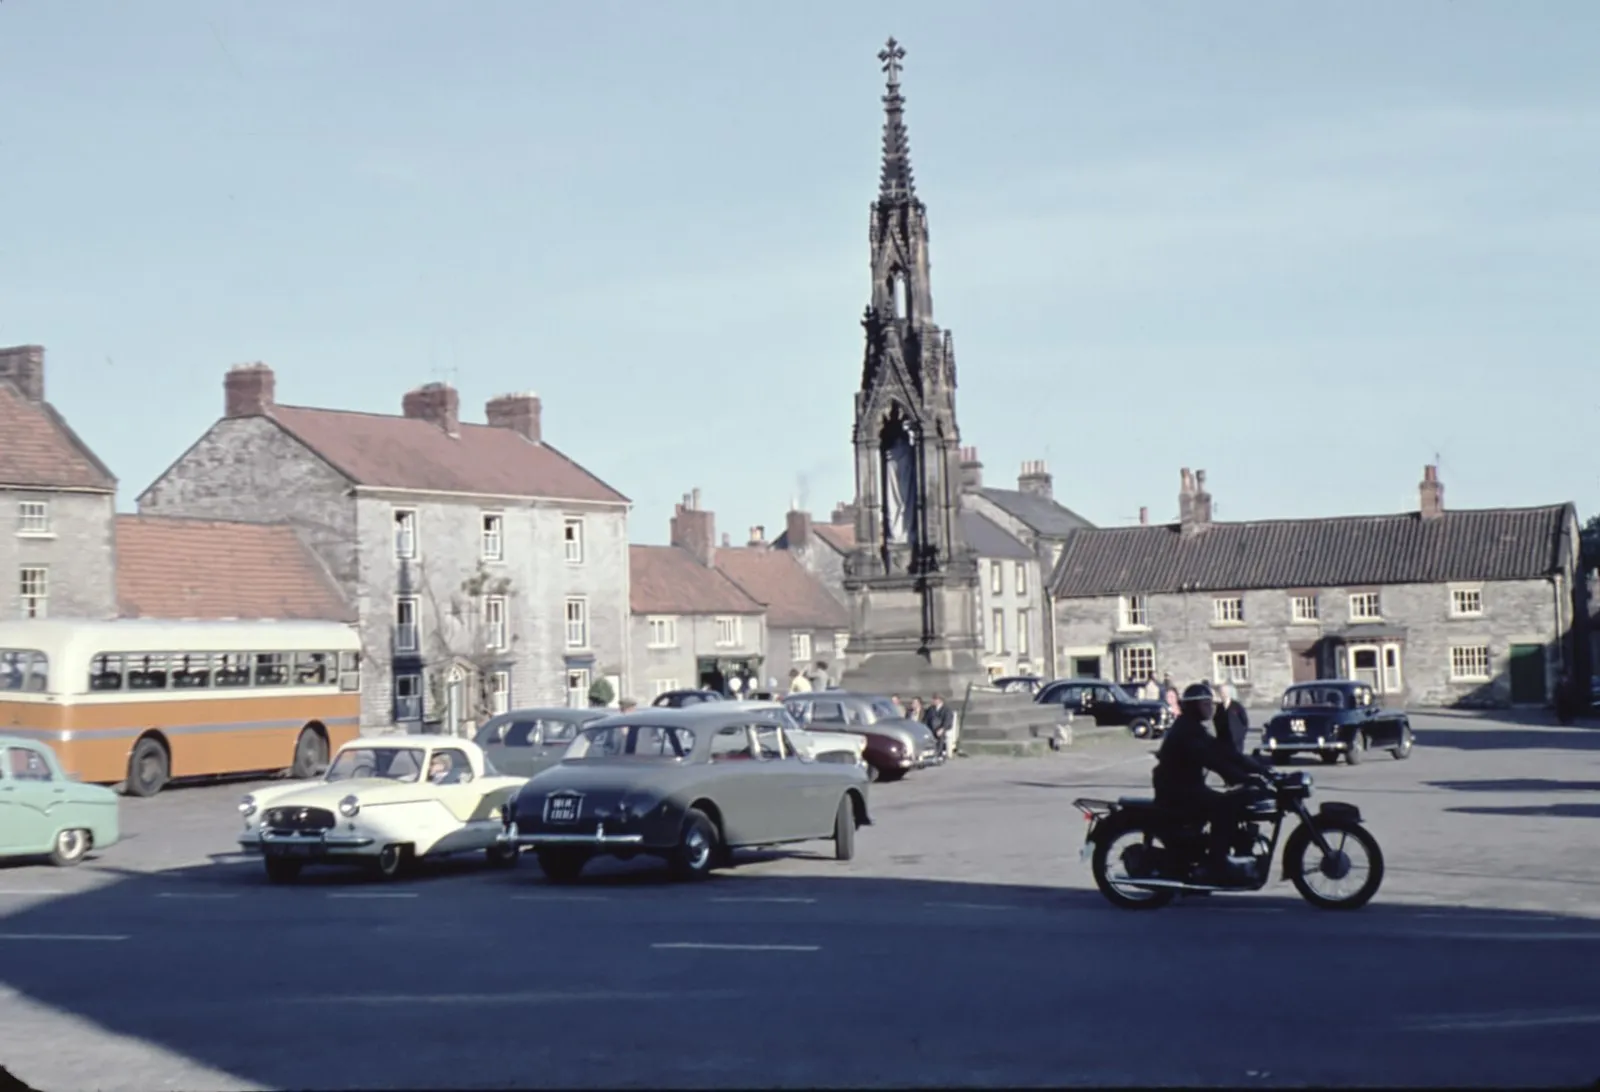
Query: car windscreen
x,y
392,763
1314,697
883,709
653,742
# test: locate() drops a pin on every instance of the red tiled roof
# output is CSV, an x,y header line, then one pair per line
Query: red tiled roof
x,y
38,449
379,450
793,597
169,567
841,536
668,580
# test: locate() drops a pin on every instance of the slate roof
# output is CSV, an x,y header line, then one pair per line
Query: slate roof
x,y
1044,516
176,568
668,580
1486,544
794,598
990,539
39,450
381,450
841,536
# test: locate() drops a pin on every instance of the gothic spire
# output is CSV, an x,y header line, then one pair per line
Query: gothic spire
x,y
894,183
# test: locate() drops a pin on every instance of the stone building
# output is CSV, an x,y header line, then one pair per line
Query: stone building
x,y
487,568
57,504
691,626
1431,607
806,625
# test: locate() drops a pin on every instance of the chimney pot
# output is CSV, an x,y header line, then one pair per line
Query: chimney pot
x,y
521,413
1144,517
23,366
971,470
1035,479
1432,493
694,530
249,390
797,528
694,498
436,403
1194,503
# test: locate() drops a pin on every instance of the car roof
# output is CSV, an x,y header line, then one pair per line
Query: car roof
x,y
554,712
396,743
752,705
1342,684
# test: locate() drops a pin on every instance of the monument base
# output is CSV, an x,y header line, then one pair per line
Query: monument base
x,y
1006,721
911,675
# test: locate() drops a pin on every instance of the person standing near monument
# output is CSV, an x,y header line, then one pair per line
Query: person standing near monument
x,y
941,720
797,682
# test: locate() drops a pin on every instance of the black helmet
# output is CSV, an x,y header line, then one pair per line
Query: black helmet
x,y
1200,691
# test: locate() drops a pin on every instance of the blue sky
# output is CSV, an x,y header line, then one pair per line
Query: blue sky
x,y
1304,247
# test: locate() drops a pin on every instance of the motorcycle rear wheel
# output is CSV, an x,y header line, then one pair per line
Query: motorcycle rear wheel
x,y
1303,857
1133,898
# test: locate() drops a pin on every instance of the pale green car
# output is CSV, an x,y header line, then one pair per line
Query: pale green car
x,y
44,813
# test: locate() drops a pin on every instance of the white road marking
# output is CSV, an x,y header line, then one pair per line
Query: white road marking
x,y
542,997
562,898
761,898
1508,1020
60,936
372,894
1591,935
198,895
969,906
693,945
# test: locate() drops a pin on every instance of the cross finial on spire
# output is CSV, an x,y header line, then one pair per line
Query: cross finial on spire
x,y
891,55
895,182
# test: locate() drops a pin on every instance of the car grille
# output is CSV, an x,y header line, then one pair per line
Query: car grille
x,y
299,820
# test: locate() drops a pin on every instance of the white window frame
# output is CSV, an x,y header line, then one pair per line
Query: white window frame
x,y
415,697
406,547
1464,659
578,683
496,630
997,578
403,628
577,621
841,641
663,686
1231,667
799,649
662,630
1023,644
33,519
997,631
1466,602
33,590
1133,612
1125,667
730,630
499,692
1362,598
1304,610
1019,577
1227,610
573,539
492,536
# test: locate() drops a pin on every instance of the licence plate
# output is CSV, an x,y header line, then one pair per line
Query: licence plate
x,y
291,850
562,809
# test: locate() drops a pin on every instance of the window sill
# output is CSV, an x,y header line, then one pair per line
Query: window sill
x,y
1229,625
38,536
1472,680
1466,617
1133,629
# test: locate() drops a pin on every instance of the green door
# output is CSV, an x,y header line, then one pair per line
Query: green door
x,y
1527,674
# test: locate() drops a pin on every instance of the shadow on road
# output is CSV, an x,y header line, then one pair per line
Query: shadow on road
x,y
1562,811
1516,784
1496,736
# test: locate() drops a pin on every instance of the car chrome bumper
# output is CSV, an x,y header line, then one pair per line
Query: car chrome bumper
x,y
599,837
1271,747
315,845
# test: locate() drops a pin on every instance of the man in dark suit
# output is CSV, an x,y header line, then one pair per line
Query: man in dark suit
x,y
938,718
1232,723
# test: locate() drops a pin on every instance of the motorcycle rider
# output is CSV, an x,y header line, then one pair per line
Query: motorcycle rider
x,y
1187,752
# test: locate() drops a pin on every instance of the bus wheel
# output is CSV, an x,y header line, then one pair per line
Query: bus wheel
x,y
310,752
148,768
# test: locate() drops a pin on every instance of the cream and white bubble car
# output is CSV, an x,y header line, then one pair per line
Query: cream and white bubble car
x,y
383,803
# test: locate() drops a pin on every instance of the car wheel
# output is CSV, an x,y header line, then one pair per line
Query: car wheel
x,y
391,860
280,870
503,855
844,830
873,773
1404,750
562,865
70,847
696,852
148,768
1358,747
1140,729
309,752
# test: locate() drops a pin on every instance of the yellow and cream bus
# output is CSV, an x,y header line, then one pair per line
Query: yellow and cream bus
x,y
140,702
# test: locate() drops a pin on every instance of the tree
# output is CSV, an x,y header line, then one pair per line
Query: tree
x,y
471,641
600,693
1590,539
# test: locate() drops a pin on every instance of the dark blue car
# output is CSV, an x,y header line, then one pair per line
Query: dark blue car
x,y
1334,717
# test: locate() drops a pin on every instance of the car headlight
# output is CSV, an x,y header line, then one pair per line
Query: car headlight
x,y
247,806
349,806
635,806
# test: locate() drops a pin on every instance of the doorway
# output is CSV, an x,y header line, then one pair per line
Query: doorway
x,y
1086,667
1528,675
1378,666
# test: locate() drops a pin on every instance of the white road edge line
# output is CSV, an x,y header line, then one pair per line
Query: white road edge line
x,y
1491,1023
700,947
969,906
762,898
372,894
60,936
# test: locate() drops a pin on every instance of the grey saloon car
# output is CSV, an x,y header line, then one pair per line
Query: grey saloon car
x,y
524,741
688,785
896,744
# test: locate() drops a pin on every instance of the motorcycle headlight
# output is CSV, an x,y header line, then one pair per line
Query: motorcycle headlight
x,y
247,806
1306,780
349,806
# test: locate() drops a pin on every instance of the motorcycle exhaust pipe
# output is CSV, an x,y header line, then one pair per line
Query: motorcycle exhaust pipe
x,y
1173,885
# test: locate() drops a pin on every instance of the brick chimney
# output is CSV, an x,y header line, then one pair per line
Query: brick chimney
x,y
695,530
517,412
844,513
1036,479
436,403
1194,503
1144,516
23,366
758,536
797,527
971,470
249,390
1432,491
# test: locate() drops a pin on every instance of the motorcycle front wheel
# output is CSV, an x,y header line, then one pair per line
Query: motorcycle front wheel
x,y
1344,880
1108,866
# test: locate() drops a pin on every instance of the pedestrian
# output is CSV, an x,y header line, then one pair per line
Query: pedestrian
x,y
1564,696
1172,701
899,710
1232,723
915,710
627,705
820,680
797,682
941,720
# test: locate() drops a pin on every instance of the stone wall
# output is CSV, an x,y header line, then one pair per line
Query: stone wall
x,y
675,667
77,552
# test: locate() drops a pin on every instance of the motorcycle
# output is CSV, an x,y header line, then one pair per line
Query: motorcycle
x,y
1143,855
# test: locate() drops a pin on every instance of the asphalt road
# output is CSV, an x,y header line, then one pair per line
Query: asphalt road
x,y
964,946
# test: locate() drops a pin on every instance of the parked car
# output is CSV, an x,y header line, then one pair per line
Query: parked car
x,y
822,746
1018,684
1335,717
896,744
522,742
44,813
680,699
1109,705
687,785
384,803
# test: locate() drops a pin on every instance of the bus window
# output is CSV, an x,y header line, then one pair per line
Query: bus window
x,y
272,669
105,672
350,671
191,670
23,669
313,669
147,671
232,669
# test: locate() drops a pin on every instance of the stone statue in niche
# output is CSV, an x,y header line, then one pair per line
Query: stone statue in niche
x,y
899,487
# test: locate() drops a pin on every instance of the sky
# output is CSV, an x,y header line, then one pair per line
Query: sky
x,y
1307,248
